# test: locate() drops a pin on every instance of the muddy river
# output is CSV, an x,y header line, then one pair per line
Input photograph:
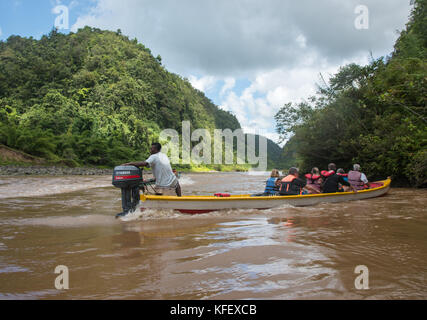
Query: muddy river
x,y
281,253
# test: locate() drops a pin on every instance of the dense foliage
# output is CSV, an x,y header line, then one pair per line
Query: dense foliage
x,y
374,115
93,98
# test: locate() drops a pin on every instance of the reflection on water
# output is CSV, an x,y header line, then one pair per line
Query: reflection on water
x,y
281,253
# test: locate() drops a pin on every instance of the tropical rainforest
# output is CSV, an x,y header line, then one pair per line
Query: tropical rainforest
x,y
94,98
374,115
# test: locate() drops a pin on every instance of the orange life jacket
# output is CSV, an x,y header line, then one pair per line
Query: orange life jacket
x,y
287,187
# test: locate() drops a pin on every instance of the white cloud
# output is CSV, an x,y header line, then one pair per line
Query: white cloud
x,y
203,83
229,84
269,91
237,38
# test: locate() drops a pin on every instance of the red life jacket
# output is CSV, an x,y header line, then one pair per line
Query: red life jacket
x,y
312,178
342,174
354,180
314,181
327,174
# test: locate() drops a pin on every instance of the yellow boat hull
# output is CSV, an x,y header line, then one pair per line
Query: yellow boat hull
x,y
203,204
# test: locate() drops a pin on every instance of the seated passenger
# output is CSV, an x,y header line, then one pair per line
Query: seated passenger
x,y
357,179
333,180
326,174
342,173
292,185
314,179
271,187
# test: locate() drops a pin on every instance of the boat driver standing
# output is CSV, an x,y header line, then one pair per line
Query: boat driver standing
x,y
159,163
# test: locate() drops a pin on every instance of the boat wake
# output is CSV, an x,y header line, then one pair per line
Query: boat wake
x,y
157,214
149,214
186,181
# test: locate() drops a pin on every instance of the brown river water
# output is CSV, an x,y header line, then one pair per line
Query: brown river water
x,y
281,253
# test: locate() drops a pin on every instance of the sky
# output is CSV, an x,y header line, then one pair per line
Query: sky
x,y
249,57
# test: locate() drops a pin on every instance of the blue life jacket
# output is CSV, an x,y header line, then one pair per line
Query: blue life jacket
x,y
271,186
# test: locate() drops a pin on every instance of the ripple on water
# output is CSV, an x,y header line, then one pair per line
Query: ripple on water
x,y
10,268
66,221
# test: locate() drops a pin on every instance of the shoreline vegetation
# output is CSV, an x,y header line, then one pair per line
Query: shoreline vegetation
x,y
374,115
96,98
31,169
17,163
55,170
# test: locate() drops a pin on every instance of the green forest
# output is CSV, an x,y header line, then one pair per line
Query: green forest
x,y
94,98
374,115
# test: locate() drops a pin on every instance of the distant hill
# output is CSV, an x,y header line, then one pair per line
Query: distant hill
x,y
275,156
94,98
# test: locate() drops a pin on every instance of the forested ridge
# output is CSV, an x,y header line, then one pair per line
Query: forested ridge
x,y
93,97
375,115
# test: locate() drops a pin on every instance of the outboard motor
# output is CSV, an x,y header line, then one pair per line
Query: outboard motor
x,y
129,179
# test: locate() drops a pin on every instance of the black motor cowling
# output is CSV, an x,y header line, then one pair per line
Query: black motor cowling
x,y
128,179
127,176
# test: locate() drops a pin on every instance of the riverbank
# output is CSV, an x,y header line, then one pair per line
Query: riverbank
x,y
17,163
11,170
40,170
